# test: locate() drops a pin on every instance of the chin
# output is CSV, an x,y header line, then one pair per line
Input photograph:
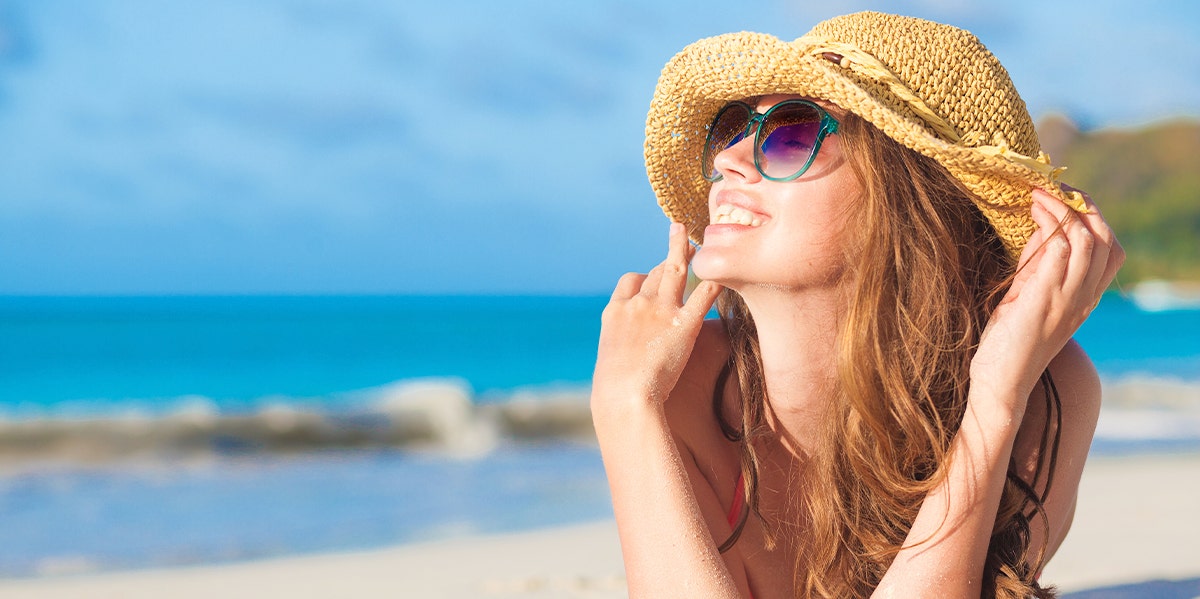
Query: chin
x,y
705,265
710,264
740,273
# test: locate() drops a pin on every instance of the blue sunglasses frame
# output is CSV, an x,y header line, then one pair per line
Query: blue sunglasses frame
x,y
755,120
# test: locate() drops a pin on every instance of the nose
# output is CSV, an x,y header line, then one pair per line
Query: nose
x,y
737,161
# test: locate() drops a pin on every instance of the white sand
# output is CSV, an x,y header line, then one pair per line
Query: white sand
x,y
579,561
1138,519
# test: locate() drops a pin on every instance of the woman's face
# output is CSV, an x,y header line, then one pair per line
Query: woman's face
x,y
794,237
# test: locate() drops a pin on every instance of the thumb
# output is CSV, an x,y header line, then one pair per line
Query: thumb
x,y
701,299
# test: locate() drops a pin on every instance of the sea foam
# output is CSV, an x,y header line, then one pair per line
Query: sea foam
x,y
446,416
422,414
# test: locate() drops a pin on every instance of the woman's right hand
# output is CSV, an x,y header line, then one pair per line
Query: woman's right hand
x,y
648,331
646,338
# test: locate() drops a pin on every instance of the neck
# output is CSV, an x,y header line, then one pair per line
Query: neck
x,y
797,333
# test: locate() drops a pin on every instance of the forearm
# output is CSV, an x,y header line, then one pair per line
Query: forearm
x,y
667,547
1066,265
946,548
647,334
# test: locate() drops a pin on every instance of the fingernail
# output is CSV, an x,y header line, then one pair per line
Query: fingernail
x,y
676,228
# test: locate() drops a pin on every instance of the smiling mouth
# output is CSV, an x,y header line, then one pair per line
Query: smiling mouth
x,y
728,214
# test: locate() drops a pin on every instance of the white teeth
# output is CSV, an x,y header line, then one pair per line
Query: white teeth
x,y
727,214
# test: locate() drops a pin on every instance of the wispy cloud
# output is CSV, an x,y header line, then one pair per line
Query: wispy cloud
x,y
459,145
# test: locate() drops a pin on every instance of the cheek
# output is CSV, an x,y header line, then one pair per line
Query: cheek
x,y
820,236
820,261
841,213
829,235
818,223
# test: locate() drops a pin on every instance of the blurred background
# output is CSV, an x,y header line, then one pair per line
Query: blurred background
x,y
267,269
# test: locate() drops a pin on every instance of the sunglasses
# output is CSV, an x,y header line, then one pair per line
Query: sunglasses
x,y
786,137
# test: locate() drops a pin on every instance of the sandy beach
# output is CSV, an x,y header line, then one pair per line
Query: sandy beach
x,y
1134,535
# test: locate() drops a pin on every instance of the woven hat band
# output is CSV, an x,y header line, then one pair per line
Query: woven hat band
x,y
866,65
849,56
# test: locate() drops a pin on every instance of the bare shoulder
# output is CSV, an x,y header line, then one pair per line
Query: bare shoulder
x,y
1076,391
709,355
690,405
711,460
698,434
1076,385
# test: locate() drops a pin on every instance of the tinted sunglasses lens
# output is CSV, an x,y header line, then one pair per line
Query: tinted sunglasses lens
x,y
728,128
788,136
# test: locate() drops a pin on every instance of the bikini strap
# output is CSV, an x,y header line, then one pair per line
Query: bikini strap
x,y
739,501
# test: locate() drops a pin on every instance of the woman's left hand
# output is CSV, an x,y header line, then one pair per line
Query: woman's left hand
x,y
1065,268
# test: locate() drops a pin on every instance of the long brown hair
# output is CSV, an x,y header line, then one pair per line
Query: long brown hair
x,y
925,270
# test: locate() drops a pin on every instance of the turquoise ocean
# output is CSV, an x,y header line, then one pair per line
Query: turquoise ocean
x,y
158,431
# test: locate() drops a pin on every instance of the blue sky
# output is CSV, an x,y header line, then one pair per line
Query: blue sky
x,y
360,146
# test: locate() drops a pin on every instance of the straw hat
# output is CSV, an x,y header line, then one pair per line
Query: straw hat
x,y
931,87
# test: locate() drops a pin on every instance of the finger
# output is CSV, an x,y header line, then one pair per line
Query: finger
x,y
1113,255
675,267
1047,278
701,300
651,283
628,286
654,278
1048,267
1081,272
1094,220
1056,206
1032,245
1095,281
1052,217
1116,257
1091,240
1035,248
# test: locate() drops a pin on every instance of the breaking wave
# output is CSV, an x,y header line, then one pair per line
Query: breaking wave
x,y
434,414
444,415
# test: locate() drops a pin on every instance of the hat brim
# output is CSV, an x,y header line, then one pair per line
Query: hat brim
x,y
709,73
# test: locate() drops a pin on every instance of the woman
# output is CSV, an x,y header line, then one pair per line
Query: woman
x,y
890,403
